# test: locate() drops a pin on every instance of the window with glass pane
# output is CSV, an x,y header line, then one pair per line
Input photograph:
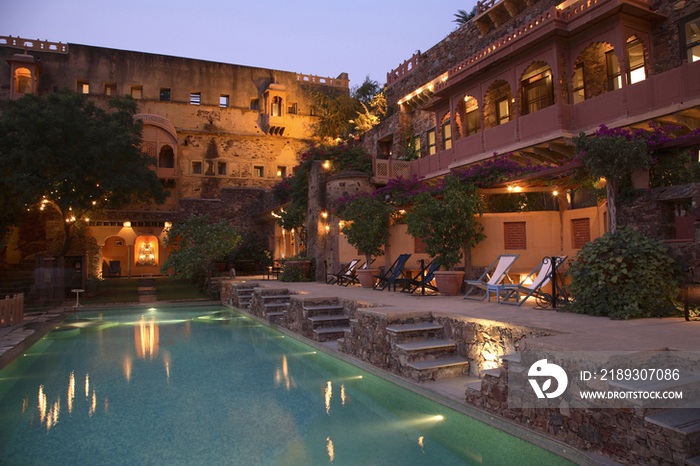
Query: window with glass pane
x,y
446,134
196,168
579,84
692,40
613,68
431,142
637,70
472,116
221,168
537,93
110,89
195,98
223,101
165,95
502,111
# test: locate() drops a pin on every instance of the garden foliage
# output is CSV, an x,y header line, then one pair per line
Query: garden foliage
x,y
624,275
367,228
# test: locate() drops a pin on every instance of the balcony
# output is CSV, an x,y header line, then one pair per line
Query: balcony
x,y
386,169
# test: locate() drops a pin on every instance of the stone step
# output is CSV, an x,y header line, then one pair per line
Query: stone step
x,y
408,328
271,305
693,461
495,372
275,296
328,318
425,345
329,333
324,307
685,420
438,363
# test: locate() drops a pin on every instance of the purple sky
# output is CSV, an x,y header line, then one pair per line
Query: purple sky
x,y
325,38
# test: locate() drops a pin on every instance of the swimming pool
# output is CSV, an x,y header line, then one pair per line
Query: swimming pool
x,y
204,386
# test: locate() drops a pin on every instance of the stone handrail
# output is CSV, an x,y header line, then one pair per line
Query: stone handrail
x,y
403,69
312,79
11,310
30,44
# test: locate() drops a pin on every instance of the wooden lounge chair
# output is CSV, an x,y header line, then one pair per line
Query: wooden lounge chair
x,y
494,275
533,283
351,278
422,281
394,272
346,270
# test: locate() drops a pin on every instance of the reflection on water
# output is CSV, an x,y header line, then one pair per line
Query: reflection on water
x,y
128,364
329,395
282,375
71,392
146,338
329,447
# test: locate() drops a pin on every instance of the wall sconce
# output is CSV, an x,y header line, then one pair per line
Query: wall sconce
x,y
324,215
327,164
127,224
341,225
555,192
328,228
167,225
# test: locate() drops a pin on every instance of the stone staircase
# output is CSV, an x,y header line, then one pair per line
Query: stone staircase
x,y
241,294
424,354
275,306
327,321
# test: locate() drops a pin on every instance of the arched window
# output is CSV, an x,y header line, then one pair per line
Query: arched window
x,y
596,71
23,81
166,158
499,105
537,89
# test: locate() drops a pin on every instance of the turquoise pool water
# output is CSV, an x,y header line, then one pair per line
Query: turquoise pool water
x,y
205,386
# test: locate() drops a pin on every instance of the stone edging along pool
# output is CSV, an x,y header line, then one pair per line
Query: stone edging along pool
x,y
542,441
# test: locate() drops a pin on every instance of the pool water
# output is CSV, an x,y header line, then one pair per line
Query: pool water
x,y
204,386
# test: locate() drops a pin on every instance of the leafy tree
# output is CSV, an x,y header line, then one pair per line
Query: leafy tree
x,y
366,91
64,151
447,225
613,154
195,244
462,17
367,228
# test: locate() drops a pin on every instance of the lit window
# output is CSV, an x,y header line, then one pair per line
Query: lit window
x,y
196,168
691,33
276,106
221,168
613,69
165,95
258,171
83,87
431,142
502,111
637,70
111,89
416,143
446,133
292,108
538,92
579,84
136,92
472,116
195,98
282,172
312,110
223,101
23,81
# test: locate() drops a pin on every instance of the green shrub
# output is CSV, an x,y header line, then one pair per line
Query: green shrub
x,y
292,272
624,275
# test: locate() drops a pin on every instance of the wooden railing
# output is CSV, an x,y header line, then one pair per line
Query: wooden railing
x,y
11,310
387,169
30,44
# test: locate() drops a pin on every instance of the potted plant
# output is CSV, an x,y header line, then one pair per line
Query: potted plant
x,y
446,222
367,229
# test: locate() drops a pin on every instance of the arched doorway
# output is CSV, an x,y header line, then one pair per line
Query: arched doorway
x,y
115,257
146,255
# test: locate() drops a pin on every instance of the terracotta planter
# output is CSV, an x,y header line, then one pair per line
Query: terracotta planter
x,y
449,282
366,277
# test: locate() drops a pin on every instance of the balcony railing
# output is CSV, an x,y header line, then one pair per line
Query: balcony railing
x,y
386,169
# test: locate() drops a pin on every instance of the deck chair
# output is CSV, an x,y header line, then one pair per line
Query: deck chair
x,y
538,278
494,275
115,268
422,281
351,277
394,272
346,270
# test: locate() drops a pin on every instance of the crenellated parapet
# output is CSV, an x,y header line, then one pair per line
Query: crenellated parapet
x,y
31,44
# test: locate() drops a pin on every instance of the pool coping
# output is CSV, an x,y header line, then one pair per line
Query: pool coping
x,y
542,441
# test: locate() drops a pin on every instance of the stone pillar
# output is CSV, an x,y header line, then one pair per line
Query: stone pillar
x,y
315,235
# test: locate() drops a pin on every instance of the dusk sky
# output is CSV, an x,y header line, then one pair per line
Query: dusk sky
x,y
324,38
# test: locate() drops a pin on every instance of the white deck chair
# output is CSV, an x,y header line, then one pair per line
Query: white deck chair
x,y
494,275
539,277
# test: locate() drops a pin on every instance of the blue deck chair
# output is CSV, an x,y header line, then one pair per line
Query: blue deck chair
x,y
351,277
394,272
423,280
532,284
344,271
494,275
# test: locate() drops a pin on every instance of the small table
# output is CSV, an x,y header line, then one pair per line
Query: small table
x,y
498,289
77,296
